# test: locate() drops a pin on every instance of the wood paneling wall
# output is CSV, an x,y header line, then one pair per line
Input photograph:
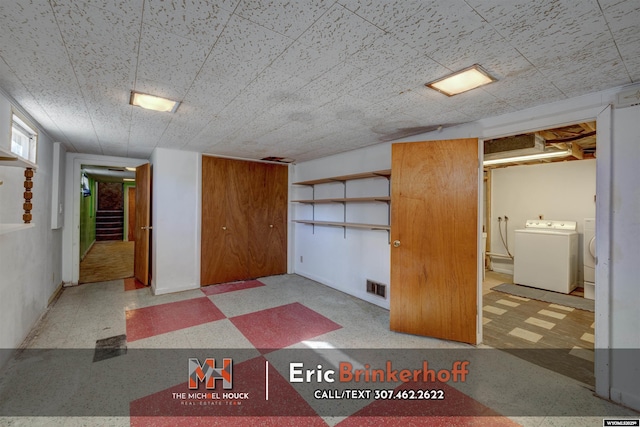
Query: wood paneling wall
x,y
244,220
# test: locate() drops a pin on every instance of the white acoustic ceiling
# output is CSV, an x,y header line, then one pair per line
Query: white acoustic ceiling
x,y
298,78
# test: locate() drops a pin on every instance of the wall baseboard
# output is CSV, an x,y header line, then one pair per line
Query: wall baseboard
x,y
56,293
172,290
625,399
87,251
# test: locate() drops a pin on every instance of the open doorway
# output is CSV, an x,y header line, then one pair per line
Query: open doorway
x,y
106,242
552,326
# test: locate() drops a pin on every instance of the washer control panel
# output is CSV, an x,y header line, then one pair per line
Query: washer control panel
x,y
554,225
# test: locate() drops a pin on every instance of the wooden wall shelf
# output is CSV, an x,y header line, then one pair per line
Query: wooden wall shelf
x,y
8,228
385,199
345,224
344,200
382,173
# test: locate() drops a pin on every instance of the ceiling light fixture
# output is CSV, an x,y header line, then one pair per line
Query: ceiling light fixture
x,y
462,81
130,169
544,155
128,179
151,102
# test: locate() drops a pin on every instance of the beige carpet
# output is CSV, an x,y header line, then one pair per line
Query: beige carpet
x,y
109,260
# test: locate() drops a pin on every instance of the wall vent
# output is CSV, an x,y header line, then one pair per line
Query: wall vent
x,y
628,98
376,288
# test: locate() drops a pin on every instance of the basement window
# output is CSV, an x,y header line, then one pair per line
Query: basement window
x,y
24,138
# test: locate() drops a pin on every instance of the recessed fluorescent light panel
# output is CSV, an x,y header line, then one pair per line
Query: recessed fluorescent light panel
x,y
151,102
128,179
462,81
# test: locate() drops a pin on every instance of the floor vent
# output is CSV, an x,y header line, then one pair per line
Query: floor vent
x,y
376,288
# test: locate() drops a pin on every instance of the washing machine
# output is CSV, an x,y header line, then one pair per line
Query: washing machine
x,y
546,255
589,257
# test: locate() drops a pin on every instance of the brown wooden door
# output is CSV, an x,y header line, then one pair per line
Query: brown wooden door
x,y
143,223
225,233
268,220
434,214
131,211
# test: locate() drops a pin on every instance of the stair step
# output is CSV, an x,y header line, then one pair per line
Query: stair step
x,y
109,213
109,230
109,237
109,223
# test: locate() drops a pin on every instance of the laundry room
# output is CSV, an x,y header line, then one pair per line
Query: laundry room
x,y
540,191
553,189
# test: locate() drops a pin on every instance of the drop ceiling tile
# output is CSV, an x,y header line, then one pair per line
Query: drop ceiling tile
x,y
304,62
118,7
97,32
119,150
199,20
290,18
631,60
243,52
516,88
139,152
378,90
347,108
147,126
340,33
546,30
185,125
384,55
586,70
440,26
386,15
170,59
623,18
30,27
343,78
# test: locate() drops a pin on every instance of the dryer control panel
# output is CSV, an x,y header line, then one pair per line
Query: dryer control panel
x,y
552,225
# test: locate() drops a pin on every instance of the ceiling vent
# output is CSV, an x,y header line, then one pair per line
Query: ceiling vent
x,y
278,159
628,98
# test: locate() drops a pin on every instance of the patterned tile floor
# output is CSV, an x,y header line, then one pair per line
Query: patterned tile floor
x,y
283,314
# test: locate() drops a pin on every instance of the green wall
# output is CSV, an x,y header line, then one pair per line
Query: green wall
x,y
87,218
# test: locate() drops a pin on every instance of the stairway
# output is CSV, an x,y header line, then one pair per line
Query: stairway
x,y
109,225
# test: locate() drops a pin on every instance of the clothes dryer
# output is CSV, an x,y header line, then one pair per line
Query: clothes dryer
x,y
589,257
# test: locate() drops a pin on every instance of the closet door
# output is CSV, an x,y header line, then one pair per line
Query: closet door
x,y
225,234
268,220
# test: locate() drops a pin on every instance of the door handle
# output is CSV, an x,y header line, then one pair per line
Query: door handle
x,y
396,243
147,227
270,225
224,228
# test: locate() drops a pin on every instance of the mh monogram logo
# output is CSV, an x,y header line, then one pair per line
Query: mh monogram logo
x,y
209,373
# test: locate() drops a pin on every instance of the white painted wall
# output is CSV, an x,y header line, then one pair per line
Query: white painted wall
x,y
328,256
557,191
30,259
625,261
175,217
